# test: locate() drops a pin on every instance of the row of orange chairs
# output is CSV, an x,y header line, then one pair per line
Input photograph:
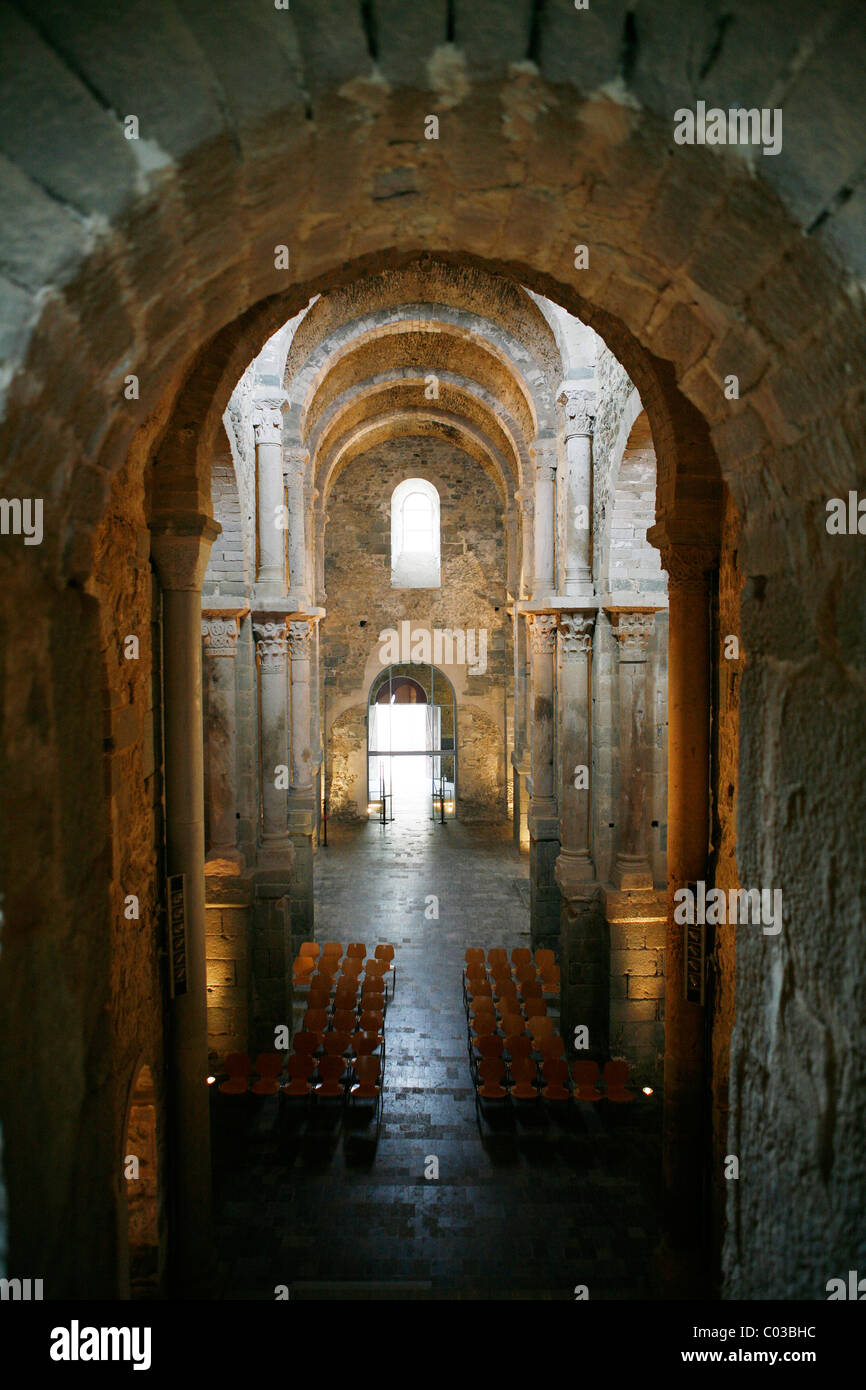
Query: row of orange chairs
x,y
347,994
322,964
499,972
331,1078
519,1080
266,1069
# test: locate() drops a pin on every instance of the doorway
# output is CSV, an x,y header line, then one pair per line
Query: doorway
x,y
411,745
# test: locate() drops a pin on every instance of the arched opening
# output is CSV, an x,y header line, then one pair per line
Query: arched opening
x,y
412,744
415,535
141,1185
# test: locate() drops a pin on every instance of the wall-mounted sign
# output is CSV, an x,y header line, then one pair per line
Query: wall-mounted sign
x,y
694,956
177,934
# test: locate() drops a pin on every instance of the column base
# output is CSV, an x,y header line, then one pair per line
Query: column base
x,y
224,860
632,873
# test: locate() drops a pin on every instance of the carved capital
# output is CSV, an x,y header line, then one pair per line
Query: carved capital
x,y
268,422
575,634
688,565
633,629
577,411
271,645
220,636
300,638
542,633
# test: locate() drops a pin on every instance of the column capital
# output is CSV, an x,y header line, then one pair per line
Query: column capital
x,y
300,638
578,409
180,545
268,418
687,565
542,632
575,633
271,644
632,628
220,634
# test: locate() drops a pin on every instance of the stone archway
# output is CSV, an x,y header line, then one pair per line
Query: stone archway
x,y
697,271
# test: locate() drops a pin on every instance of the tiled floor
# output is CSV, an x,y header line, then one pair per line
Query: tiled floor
x,y
527,1212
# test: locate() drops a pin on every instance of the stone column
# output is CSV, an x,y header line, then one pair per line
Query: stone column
x,y
544,455
180,548
577,434
219,632
632,869
584,938
268,426
688,849
321,521
272,649
295,465
302,809
525,499
543,822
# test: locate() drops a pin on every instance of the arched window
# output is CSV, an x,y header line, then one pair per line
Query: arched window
x,y
415,535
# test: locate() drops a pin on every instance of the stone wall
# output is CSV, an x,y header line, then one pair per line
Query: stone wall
x,y
361,604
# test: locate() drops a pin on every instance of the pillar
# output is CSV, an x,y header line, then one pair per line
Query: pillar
x,y
268,427
525,499
219,632
688,849
544,454
295,466
632,629
272,650
543,822
302,809
584,938
577,485
180,549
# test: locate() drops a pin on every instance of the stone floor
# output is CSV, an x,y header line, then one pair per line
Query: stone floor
x,y
525,1210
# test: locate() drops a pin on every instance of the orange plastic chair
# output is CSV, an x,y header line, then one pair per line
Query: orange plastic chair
x,y
237,1064
373,998
344,1021
475,972
485,1027
521,955
328,967
315,1020
268,1066
371,1021
367,1070
555,1073
491,1070
550,979
351,968
375,969
385,951
302,968
498,956
518,1047
584,1076
543,959
513,1025
346,997
306,1043
615,1078
524,974
535,1008
541,1027
523,1079
301,1069
337,1044
481,1004
531,989
330,1087
505,989
490,1045
318,997
474,955
310,948
479,989
332,948
356,950
552,1048
365,1044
